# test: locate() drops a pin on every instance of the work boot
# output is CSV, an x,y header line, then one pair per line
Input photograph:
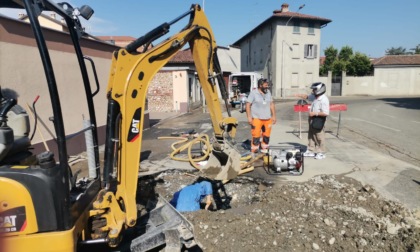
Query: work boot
x,y
308,153
320,156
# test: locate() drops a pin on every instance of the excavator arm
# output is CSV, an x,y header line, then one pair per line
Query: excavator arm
x,y
130,75
53,211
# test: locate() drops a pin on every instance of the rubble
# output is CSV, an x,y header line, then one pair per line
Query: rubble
x,y
327,213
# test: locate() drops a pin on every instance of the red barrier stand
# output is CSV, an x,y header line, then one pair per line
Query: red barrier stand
x,y
333,107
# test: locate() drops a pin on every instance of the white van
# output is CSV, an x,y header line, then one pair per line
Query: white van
x,y
240,85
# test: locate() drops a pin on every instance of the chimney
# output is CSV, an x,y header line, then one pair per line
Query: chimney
x,y
52,15
284,7
21,15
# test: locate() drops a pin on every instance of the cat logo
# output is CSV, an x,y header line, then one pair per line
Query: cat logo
x,y
8,223
135,126
13,220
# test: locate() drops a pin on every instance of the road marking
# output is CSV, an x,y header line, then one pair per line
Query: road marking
x,y
415,122
376,124
379,125
389,115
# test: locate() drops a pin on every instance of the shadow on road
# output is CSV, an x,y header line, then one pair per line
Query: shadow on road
x,y
408,103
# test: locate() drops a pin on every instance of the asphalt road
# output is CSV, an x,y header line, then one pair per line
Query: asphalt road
x,y
374,124
389,125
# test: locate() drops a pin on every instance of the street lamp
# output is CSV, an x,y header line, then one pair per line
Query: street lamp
x,y
282,54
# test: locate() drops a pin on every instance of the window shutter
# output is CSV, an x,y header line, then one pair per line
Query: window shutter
x,y
315,51
305,51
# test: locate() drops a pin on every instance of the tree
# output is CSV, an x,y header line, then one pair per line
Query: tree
x,y
355,64
360,65
346,53
396,51
330,56
416,50
339,66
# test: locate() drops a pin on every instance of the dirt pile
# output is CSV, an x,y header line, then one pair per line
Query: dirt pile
x,y
327,213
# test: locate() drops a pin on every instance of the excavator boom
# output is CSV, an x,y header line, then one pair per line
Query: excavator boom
x,y
131,74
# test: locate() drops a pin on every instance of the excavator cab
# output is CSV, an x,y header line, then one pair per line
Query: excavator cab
x,y
43,208
42,205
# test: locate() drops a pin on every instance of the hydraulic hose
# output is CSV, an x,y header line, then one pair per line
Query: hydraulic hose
x,y
202,138
35,117
188,145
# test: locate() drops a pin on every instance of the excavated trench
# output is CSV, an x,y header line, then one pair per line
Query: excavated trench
x,y
326,213
236,193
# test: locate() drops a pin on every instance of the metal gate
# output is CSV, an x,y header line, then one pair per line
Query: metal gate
x,y
336,84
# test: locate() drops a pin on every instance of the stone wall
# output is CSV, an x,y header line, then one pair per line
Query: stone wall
x,y
160,93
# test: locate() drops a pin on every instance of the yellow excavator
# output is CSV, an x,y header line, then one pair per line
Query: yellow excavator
x,y
43,207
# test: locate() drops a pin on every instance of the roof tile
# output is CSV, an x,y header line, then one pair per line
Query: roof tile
x,y
184,56
289,14
117,38
398,60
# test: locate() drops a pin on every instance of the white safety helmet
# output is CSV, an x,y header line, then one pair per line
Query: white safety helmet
x,y
318,88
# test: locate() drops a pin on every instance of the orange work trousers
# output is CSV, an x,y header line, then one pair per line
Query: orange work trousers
x,y
258,128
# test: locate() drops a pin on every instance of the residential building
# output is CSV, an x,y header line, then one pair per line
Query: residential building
x,y
176,88
230,60
22,77
120,41
48,21
285,48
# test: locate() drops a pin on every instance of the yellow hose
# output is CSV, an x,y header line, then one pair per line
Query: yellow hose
x,y
202,138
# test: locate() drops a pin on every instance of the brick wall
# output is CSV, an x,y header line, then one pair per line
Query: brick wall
x,y
160,93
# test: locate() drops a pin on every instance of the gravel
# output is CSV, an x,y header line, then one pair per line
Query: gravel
x,y
326,213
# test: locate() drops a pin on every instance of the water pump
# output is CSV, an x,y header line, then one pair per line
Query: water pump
x,y
284,160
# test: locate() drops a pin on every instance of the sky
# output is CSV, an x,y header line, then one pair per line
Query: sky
x,y
368,26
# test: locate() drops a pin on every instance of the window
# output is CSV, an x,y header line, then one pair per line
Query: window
x,y
311,28
310,51
296,26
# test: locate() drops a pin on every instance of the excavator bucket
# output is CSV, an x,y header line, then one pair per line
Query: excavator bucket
x,y
164,226
224,163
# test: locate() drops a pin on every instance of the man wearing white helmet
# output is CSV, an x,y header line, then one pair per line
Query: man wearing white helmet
x,y
318,112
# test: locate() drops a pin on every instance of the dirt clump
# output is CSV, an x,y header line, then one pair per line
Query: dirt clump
x,y
326,213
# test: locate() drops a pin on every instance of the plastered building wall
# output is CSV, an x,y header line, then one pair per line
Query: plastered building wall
x,y
22,76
